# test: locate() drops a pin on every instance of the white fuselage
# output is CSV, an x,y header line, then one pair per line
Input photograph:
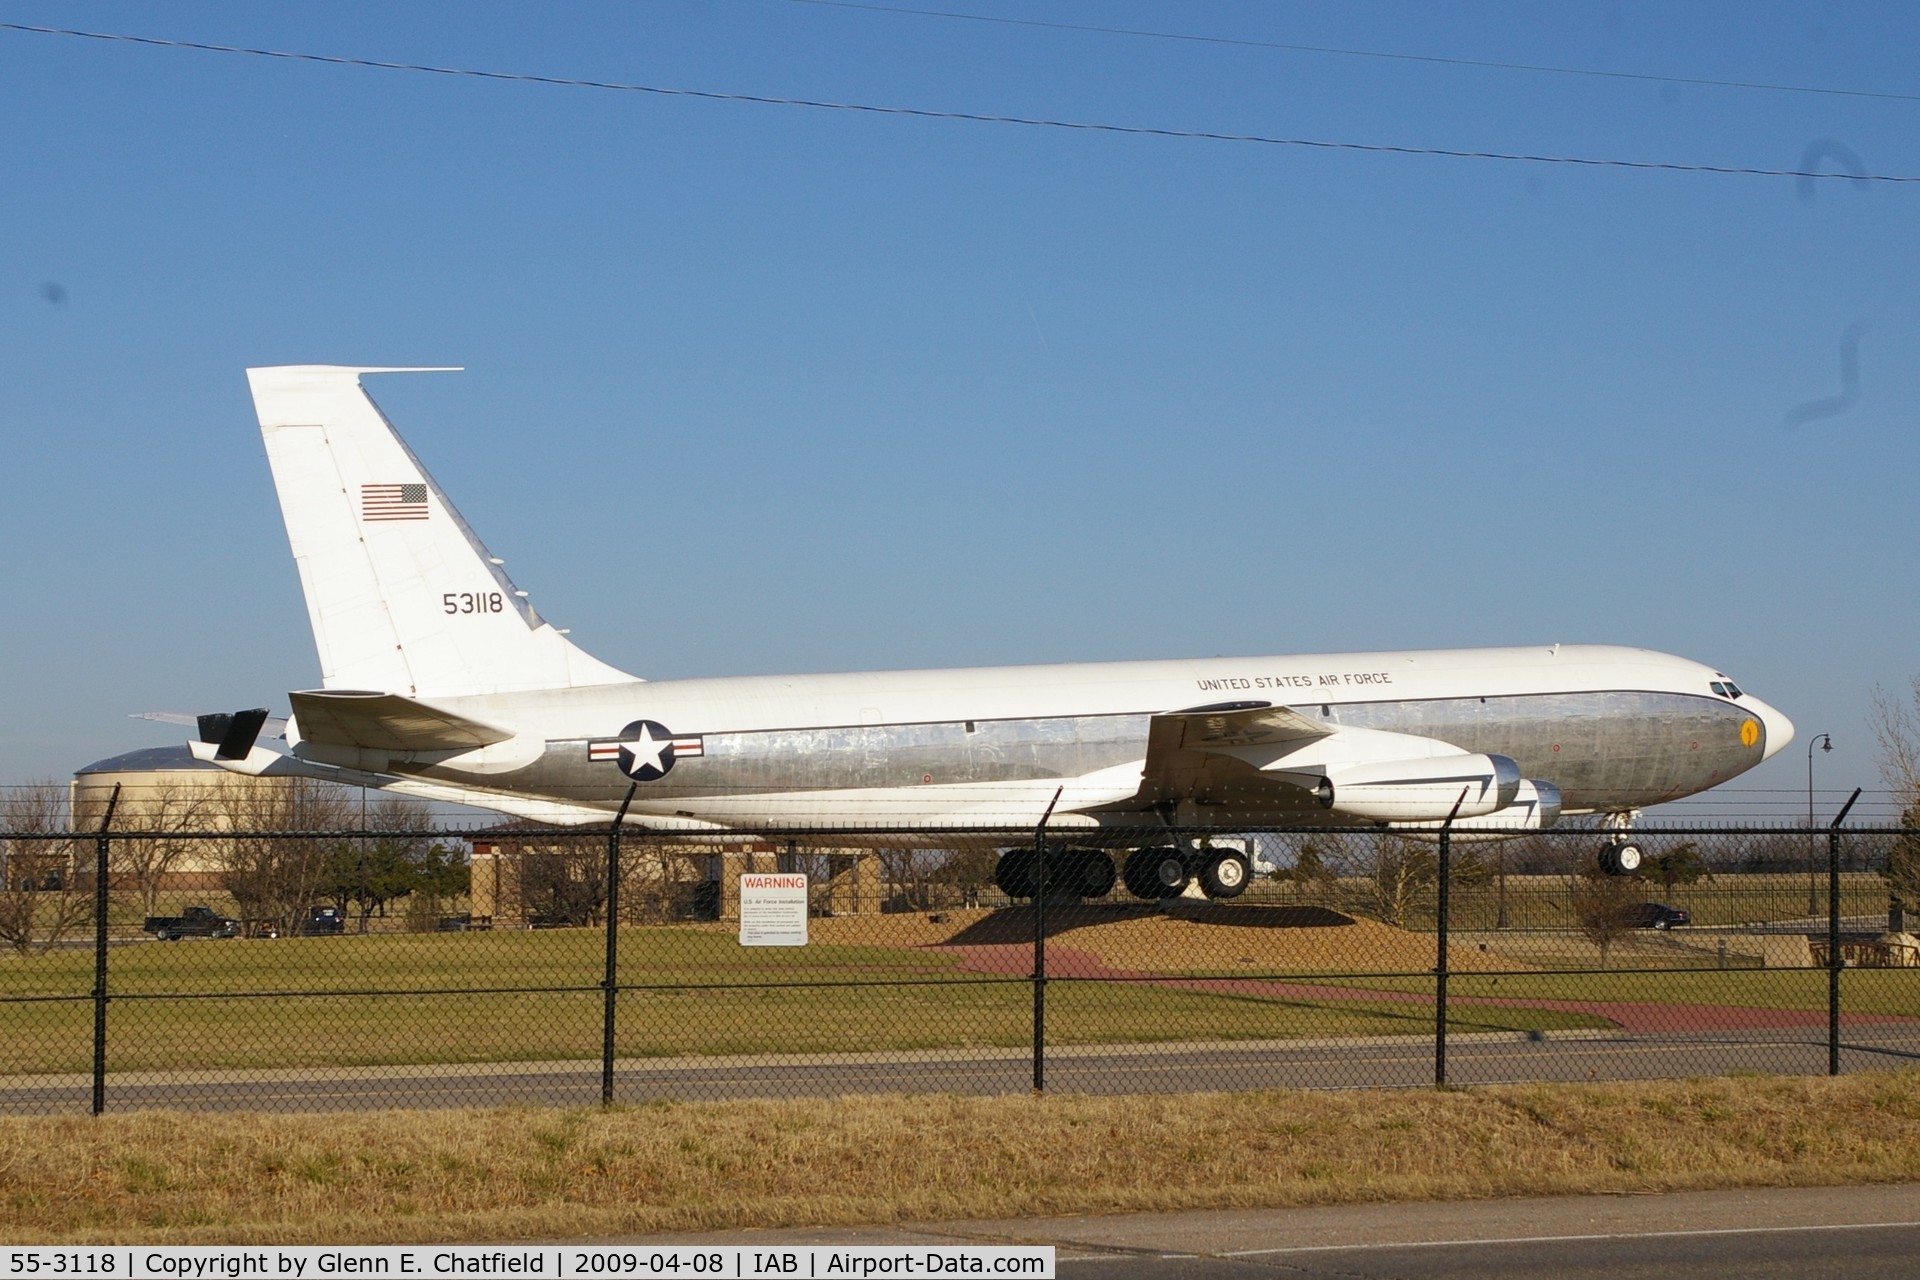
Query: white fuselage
x,y
1614,728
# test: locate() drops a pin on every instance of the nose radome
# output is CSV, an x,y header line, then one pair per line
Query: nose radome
x,y
1779,729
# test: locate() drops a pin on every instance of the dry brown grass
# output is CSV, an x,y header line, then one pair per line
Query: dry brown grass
x,y
522,1173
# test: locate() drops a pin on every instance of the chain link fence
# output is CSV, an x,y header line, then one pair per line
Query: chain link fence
x,y
409,964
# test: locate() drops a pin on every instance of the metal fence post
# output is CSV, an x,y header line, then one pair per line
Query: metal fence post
x,y
1040,947
100,955
612,981
1834,959
1440,959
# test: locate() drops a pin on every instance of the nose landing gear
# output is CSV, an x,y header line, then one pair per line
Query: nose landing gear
x,y
1620,856
1620,859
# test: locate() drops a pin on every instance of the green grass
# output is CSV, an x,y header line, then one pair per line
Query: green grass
x,y
345,1030
418,998
422,962
386,999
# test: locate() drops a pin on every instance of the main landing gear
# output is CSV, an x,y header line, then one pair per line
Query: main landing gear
x,y
1080,873
1153,874
1620,856
1166,872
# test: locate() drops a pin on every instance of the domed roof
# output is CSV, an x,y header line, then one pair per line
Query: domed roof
x,y
148,760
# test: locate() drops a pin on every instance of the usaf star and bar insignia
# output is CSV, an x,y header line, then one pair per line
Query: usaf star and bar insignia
x,y
645,750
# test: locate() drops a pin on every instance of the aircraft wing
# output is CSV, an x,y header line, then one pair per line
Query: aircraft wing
x,y
1204,752
387,722
1233,724
1266,763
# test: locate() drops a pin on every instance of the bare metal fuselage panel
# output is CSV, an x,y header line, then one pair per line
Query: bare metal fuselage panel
x,y
1607,750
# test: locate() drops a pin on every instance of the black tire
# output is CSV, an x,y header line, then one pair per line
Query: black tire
x,y
1093,874
1225,874
1013,874
1621,859
1138,873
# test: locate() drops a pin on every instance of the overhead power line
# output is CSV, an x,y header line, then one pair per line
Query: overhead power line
x,y
1337,51
969,117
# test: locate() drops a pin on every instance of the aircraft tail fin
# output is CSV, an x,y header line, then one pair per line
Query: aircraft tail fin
x,y
402,596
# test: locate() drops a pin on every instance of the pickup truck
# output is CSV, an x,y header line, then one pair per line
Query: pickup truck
x,y
194,922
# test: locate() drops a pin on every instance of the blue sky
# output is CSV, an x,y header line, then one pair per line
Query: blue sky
x,y
757,388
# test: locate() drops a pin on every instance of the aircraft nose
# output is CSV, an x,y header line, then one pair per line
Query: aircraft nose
x,y
1779,729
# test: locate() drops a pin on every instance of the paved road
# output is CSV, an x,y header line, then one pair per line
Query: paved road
x,y
1869,1233
1377,1062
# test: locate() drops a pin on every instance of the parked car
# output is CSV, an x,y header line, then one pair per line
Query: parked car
x,y
322,922
194,922
1658,915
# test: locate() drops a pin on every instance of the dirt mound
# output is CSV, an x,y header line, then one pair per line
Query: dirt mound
x,y
1183,937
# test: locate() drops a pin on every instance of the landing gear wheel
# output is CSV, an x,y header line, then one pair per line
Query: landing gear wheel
x,y
1621,859
1139,872
1091,873
1170,874
1013,874
1225,875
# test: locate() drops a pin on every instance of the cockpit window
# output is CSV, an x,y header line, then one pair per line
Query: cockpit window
x,y
1720,688
1733,690
1726,688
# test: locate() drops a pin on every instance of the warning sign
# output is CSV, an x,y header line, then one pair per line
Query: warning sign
x,y
773,909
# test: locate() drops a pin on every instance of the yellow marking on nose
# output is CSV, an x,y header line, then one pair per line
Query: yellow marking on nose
x,y
1749,732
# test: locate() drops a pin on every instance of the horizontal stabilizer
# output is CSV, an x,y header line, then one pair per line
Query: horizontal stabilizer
x,y
274,727
232,733
387,722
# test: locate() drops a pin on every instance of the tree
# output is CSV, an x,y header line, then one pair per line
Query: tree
x,y
1896,726
174,813
967,870
1309,866
276,863
909,877
370,872
41,900
1902,869
1682,864
1605,907
1402,872
1405,872
1311,876
563,880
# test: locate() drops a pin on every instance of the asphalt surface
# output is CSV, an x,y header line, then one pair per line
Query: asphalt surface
x,y
1868,1232
1377,1062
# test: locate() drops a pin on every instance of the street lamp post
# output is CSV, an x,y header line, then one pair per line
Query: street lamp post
x,y
1813,899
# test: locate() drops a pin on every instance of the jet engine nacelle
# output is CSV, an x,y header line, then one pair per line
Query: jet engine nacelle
x,y
1422,790
1535,808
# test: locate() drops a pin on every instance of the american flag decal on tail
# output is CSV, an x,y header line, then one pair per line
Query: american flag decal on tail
x,y
393,502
